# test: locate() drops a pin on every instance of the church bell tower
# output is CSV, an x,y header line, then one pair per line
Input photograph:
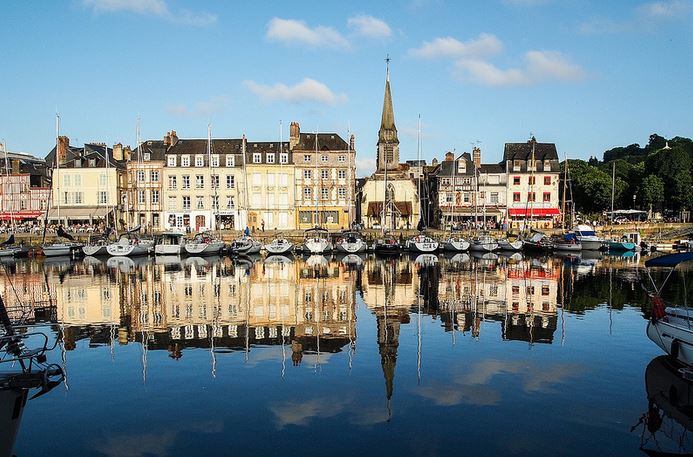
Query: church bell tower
x,y
388,143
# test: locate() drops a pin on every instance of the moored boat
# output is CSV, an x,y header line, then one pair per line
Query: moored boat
x,y
279,246
507,244
350,242
670,327
317,241
245,245
387,245
169,243
455,244
588,238
203,244
483,243
422,243
567,243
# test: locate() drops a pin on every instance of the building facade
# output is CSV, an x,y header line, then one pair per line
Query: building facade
x,y
201,182
533,173
86,183
143,202
269,198
24,187
325,174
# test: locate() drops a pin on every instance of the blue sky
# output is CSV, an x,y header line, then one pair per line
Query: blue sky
x,y
587,75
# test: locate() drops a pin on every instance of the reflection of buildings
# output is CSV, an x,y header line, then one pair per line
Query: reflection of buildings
x,y
203,303
522,296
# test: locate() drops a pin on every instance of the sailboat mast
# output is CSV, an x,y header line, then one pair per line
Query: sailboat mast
x,y
7,176
565,188
57,157
318,222
613,189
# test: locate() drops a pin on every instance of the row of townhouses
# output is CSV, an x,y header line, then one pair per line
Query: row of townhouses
x,y
310,180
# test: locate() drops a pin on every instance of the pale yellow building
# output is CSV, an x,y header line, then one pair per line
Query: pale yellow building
x,y
87,183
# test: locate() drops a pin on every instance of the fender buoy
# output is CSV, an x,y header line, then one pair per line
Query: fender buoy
x,y
675,346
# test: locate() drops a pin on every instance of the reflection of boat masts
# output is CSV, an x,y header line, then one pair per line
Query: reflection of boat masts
x,y
63,354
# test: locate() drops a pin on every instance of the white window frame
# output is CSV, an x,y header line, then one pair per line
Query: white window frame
x,y
199,160
284,158
230,160
257,157
171,160
215,161
270,157
185,161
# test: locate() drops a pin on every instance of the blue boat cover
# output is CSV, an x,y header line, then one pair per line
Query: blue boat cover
x,y
670,260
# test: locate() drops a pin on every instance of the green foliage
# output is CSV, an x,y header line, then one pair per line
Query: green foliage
x,y
652,190
642,171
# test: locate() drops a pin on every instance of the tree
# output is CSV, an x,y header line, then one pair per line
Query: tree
x,y
652,190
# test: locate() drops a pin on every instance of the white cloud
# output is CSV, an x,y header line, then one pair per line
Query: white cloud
x,y
539,66
308,90
663,9
157,8
365,167
369,26
204,108
297,32
485,44
644,17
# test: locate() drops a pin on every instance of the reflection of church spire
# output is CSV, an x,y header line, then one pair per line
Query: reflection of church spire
x,y
388,143
388,342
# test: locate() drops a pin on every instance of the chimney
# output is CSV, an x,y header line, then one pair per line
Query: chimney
x,y
127,153
118,152
449,156
294,134
352,142
174,138
476,156
63,147
167,139
15,166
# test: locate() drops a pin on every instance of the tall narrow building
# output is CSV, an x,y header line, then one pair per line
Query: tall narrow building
x,y
389,197
388,143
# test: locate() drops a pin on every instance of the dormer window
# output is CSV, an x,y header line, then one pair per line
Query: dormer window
x,y
517,165
185,161
257,157
199,160
215,160
283,158
461,166
270,157
147,156
230,160
171,160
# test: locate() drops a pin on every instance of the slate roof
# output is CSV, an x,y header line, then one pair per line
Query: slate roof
x,y
449,167
199,146
523,151
155,148
89,151
326,142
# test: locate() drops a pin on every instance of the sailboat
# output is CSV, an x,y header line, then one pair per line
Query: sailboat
x,y
98,247
454,243
317,239
130,245
568,241
58,249
245,245
421,242
7,248
350,242
483,242
203,243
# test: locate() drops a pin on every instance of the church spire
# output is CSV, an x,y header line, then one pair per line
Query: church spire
x,y
388,143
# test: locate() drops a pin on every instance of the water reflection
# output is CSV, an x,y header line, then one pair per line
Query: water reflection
x,y
431,334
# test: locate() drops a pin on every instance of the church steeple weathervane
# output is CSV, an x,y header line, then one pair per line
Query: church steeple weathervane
x,y
388,143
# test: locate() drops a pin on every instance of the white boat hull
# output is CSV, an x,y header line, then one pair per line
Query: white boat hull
x,y
354,247
507,245
456,245
203,248
568,247
673,337
7,252
57,250
422,246
167,249
483,247
127,250
279,248
317,246
590,245
94,250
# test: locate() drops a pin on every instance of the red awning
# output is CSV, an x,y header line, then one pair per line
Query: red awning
x,y
20,215
534,211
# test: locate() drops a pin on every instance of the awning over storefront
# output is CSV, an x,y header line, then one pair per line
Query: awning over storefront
x,y
534,212
376,208
19,215
82,213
